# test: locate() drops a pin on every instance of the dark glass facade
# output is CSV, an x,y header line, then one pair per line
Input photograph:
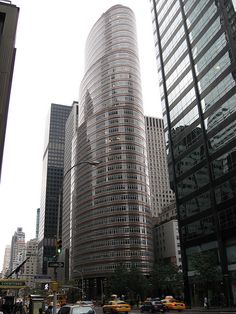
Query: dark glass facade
x,y
8,23
111,212
196,56
52,179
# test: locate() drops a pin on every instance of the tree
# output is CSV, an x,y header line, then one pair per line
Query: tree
x,y
206,270
137,284
130,283
119,280
166,278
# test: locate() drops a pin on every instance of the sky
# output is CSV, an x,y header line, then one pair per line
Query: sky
x,y
49,67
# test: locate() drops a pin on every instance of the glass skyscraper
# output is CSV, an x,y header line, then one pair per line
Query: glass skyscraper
x,y
52,179
111,202
196,56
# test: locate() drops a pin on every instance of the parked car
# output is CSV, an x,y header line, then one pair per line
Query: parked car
x,y
173,304
116,307
153,306
76,309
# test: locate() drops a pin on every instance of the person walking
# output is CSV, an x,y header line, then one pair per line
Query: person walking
x,y
49,309
206,306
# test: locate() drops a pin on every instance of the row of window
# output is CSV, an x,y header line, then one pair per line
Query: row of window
x,y
113,220
143,266
113,254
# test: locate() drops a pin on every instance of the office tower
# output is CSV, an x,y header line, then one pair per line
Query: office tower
x,y
166,242
17,249
29,270
161,194
37,223
111,211
8,23
196,57
6,261
52,179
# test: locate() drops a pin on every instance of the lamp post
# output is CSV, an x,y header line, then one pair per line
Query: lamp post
x,y
89,162
82,282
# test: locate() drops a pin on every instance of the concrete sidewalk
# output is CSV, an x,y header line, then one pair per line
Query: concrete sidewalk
x,y
212,309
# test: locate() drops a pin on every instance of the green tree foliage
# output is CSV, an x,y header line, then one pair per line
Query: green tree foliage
x,y
166,278
130,283
137,284
119,281
205,267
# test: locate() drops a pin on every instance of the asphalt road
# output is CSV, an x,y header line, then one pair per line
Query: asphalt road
x,y
193,311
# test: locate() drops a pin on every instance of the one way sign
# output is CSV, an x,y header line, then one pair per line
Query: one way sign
x,y
56,264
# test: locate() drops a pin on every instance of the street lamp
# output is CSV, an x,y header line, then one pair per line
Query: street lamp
x,y
59,243
89,162
82,282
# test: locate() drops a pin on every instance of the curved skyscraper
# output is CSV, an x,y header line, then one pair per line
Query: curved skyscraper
x,y
111,211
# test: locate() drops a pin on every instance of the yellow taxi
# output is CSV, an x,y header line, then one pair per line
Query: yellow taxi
x,y
173,304
116,307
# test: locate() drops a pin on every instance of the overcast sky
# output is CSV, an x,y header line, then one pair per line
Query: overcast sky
x,y
49,67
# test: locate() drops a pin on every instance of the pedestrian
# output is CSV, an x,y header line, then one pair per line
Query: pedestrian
x,y
49,309
25,309
205,303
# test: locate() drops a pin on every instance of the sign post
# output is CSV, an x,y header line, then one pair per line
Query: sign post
x,y
56,264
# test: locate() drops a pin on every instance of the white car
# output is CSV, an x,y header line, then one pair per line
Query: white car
x,y
76,309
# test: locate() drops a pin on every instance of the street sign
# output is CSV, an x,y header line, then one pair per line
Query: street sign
x,y
12,284
56,264
42,278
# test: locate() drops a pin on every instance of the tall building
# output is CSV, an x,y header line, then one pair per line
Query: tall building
x,y
6,261
52,179
161,193
196,57
111,219
8,24
165,231
30,267
167,243
17,249
37,223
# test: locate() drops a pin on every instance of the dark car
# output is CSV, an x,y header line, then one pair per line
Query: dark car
x,y
153,306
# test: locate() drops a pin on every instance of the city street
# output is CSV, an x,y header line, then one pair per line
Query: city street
x,y
189,311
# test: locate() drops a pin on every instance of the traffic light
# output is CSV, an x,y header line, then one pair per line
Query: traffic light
x,y
59,246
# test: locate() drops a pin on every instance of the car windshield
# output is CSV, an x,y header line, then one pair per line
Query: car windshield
x,y
120,302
